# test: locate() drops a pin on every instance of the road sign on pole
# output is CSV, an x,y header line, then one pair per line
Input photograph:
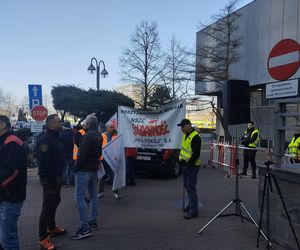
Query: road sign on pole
x,y
284,59
35,95
39,113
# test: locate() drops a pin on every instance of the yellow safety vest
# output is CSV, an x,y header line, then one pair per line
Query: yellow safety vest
x,y
293,147
186,148
75,148
253,144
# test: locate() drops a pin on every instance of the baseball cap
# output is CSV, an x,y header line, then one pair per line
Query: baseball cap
x,y
184,122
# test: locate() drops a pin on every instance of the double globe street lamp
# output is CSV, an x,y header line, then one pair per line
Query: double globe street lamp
x,y
92,69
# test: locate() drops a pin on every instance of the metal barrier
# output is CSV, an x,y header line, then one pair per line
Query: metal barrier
x,y
223,155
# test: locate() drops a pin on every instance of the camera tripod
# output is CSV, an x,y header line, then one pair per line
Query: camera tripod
x,y
237,201
267,188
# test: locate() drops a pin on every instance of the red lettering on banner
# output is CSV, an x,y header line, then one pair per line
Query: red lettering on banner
x,y
151,130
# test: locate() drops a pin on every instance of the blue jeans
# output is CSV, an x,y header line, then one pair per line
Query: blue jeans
x,y
9,214
68,172
190,181
86,182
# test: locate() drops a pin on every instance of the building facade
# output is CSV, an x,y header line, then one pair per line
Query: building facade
x,y
261,25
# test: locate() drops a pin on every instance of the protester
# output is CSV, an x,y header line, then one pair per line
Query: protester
x,y
189,159
250,140
66,137
294,147
77,138
86,169
51,164
13,176
130,154
107,136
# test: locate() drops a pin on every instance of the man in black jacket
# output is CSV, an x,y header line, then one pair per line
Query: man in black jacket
x,y
86,169
51,163
13,178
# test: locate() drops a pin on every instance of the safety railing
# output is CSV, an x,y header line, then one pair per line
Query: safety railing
x,y
223,155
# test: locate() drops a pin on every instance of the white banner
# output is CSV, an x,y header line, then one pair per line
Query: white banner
x,y
152,129
114,154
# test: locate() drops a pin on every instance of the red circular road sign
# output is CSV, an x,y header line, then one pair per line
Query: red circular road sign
x,y
39,113
284,59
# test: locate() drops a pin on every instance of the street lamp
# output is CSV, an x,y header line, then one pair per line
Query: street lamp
x,y
92,69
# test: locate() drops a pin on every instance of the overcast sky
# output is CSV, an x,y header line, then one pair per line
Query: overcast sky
x,y
52,41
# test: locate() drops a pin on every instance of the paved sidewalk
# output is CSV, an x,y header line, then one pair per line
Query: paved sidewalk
x,y
150,217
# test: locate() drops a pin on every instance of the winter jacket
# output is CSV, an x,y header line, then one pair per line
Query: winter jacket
x,y
89,152
13,168
50,155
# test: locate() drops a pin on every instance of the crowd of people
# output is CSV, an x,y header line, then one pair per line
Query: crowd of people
x,y
73,157
66,157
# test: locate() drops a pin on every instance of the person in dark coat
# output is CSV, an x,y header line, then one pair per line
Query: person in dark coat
x,y
50,157
86,169
66,138
13,180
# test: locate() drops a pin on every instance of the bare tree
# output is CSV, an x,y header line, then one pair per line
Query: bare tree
x,y
142,62
7,102
178,73
217,51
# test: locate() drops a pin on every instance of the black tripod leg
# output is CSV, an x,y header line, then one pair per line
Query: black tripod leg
x,y
239,202
261,210
249,215
286,212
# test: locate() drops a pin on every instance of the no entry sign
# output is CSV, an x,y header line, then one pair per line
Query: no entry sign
x,y
39,113
284,59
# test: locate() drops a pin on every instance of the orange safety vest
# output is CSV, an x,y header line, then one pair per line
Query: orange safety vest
x,y
75,148
105,141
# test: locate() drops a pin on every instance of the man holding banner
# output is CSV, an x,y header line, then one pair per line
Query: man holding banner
x,y
189,159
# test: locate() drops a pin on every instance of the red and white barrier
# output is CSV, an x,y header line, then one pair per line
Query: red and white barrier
x,y
223,155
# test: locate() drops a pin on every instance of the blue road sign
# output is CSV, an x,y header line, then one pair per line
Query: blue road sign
x,y
35,95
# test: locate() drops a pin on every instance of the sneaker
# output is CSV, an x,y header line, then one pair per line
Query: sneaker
x,y
117,196
93,225
243,173
46,244
82,233
100,195
57,231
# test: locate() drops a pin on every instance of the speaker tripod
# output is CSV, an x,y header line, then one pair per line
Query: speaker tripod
x,y
237,201
267,188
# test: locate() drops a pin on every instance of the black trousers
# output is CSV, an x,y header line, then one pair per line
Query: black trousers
x,y
51,200
249,155
109,176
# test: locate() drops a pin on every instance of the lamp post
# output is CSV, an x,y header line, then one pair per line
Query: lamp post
x,y
92,69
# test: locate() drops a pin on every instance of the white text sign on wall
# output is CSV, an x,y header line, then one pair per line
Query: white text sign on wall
x,y
282,89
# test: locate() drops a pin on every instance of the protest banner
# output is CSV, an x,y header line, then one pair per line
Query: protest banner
x,y
152,129
114,154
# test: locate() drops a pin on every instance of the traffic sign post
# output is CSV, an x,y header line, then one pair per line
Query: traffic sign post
x,y
284,59
35,95
39,113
